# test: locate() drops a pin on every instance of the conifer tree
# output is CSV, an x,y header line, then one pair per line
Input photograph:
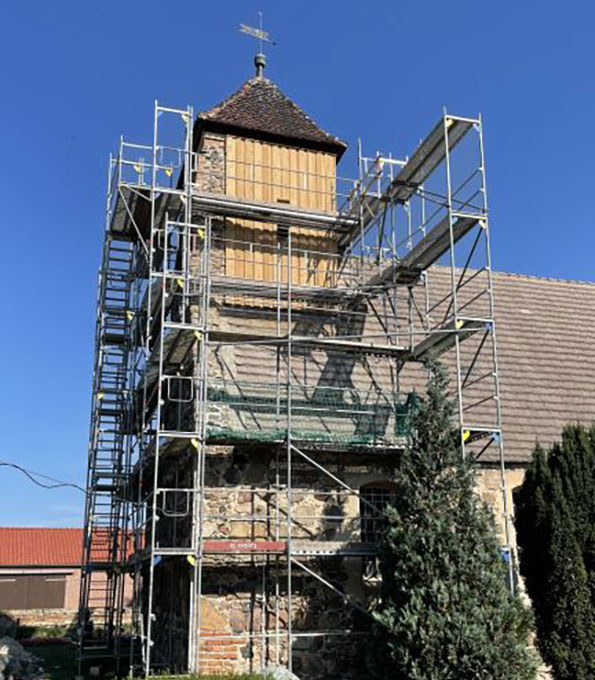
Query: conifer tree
x,y
555,522
445,610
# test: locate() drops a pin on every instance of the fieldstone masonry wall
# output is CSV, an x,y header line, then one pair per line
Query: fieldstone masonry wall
x,y
210,171
244,606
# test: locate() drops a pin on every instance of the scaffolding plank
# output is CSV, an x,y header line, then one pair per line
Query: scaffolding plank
x,y
133,207
335,344
426,158
114,338
276,290
176,347
330,548
442,339
232,206
424,254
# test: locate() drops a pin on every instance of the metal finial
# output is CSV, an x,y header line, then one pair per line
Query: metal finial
x,y
260,61
262,36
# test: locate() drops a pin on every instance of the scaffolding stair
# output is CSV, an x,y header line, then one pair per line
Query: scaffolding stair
x,y
104,542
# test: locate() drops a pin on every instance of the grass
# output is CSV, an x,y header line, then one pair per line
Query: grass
x,y
28,632
58,660
225,676
59,664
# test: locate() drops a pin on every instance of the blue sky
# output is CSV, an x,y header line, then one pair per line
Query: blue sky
x,y
76,75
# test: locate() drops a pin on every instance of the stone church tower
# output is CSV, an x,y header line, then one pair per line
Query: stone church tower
x,y
262,327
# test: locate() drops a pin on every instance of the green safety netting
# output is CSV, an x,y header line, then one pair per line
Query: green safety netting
x,y
327,405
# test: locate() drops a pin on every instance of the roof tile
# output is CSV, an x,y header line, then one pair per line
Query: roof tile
x,y
25,546
260,106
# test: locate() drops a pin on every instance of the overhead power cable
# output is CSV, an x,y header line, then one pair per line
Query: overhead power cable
x,y
31,474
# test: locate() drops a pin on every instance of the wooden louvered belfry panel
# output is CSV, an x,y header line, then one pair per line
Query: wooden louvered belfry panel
x,y
271,173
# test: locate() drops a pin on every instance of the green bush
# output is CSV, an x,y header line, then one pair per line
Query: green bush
x,y
555,522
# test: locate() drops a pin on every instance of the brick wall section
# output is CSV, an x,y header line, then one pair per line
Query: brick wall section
x,y
218,653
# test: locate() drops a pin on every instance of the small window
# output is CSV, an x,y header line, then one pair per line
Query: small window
x,y
374,499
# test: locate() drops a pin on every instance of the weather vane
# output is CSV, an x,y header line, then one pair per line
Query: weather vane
x,y
262,36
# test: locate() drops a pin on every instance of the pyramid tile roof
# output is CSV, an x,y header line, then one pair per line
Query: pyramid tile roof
x,y
261,108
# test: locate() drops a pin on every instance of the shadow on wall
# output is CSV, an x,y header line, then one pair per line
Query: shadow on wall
x,y
330,633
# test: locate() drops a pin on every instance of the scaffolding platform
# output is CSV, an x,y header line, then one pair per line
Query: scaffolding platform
x,y
424,254
425,159
441,339
271,290
224,205
131,214
301,548
242,546
329,344
179,342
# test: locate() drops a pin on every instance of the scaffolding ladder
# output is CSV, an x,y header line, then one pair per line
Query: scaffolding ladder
x,y
105,538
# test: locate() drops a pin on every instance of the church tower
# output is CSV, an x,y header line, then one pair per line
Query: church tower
x,y
260,339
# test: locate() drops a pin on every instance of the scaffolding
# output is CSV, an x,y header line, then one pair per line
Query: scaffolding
x,y
307,343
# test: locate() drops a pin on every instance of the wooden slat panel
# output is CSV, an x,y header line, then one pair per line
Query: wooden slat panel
x,y
259,232
231,188
267,172
240,191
